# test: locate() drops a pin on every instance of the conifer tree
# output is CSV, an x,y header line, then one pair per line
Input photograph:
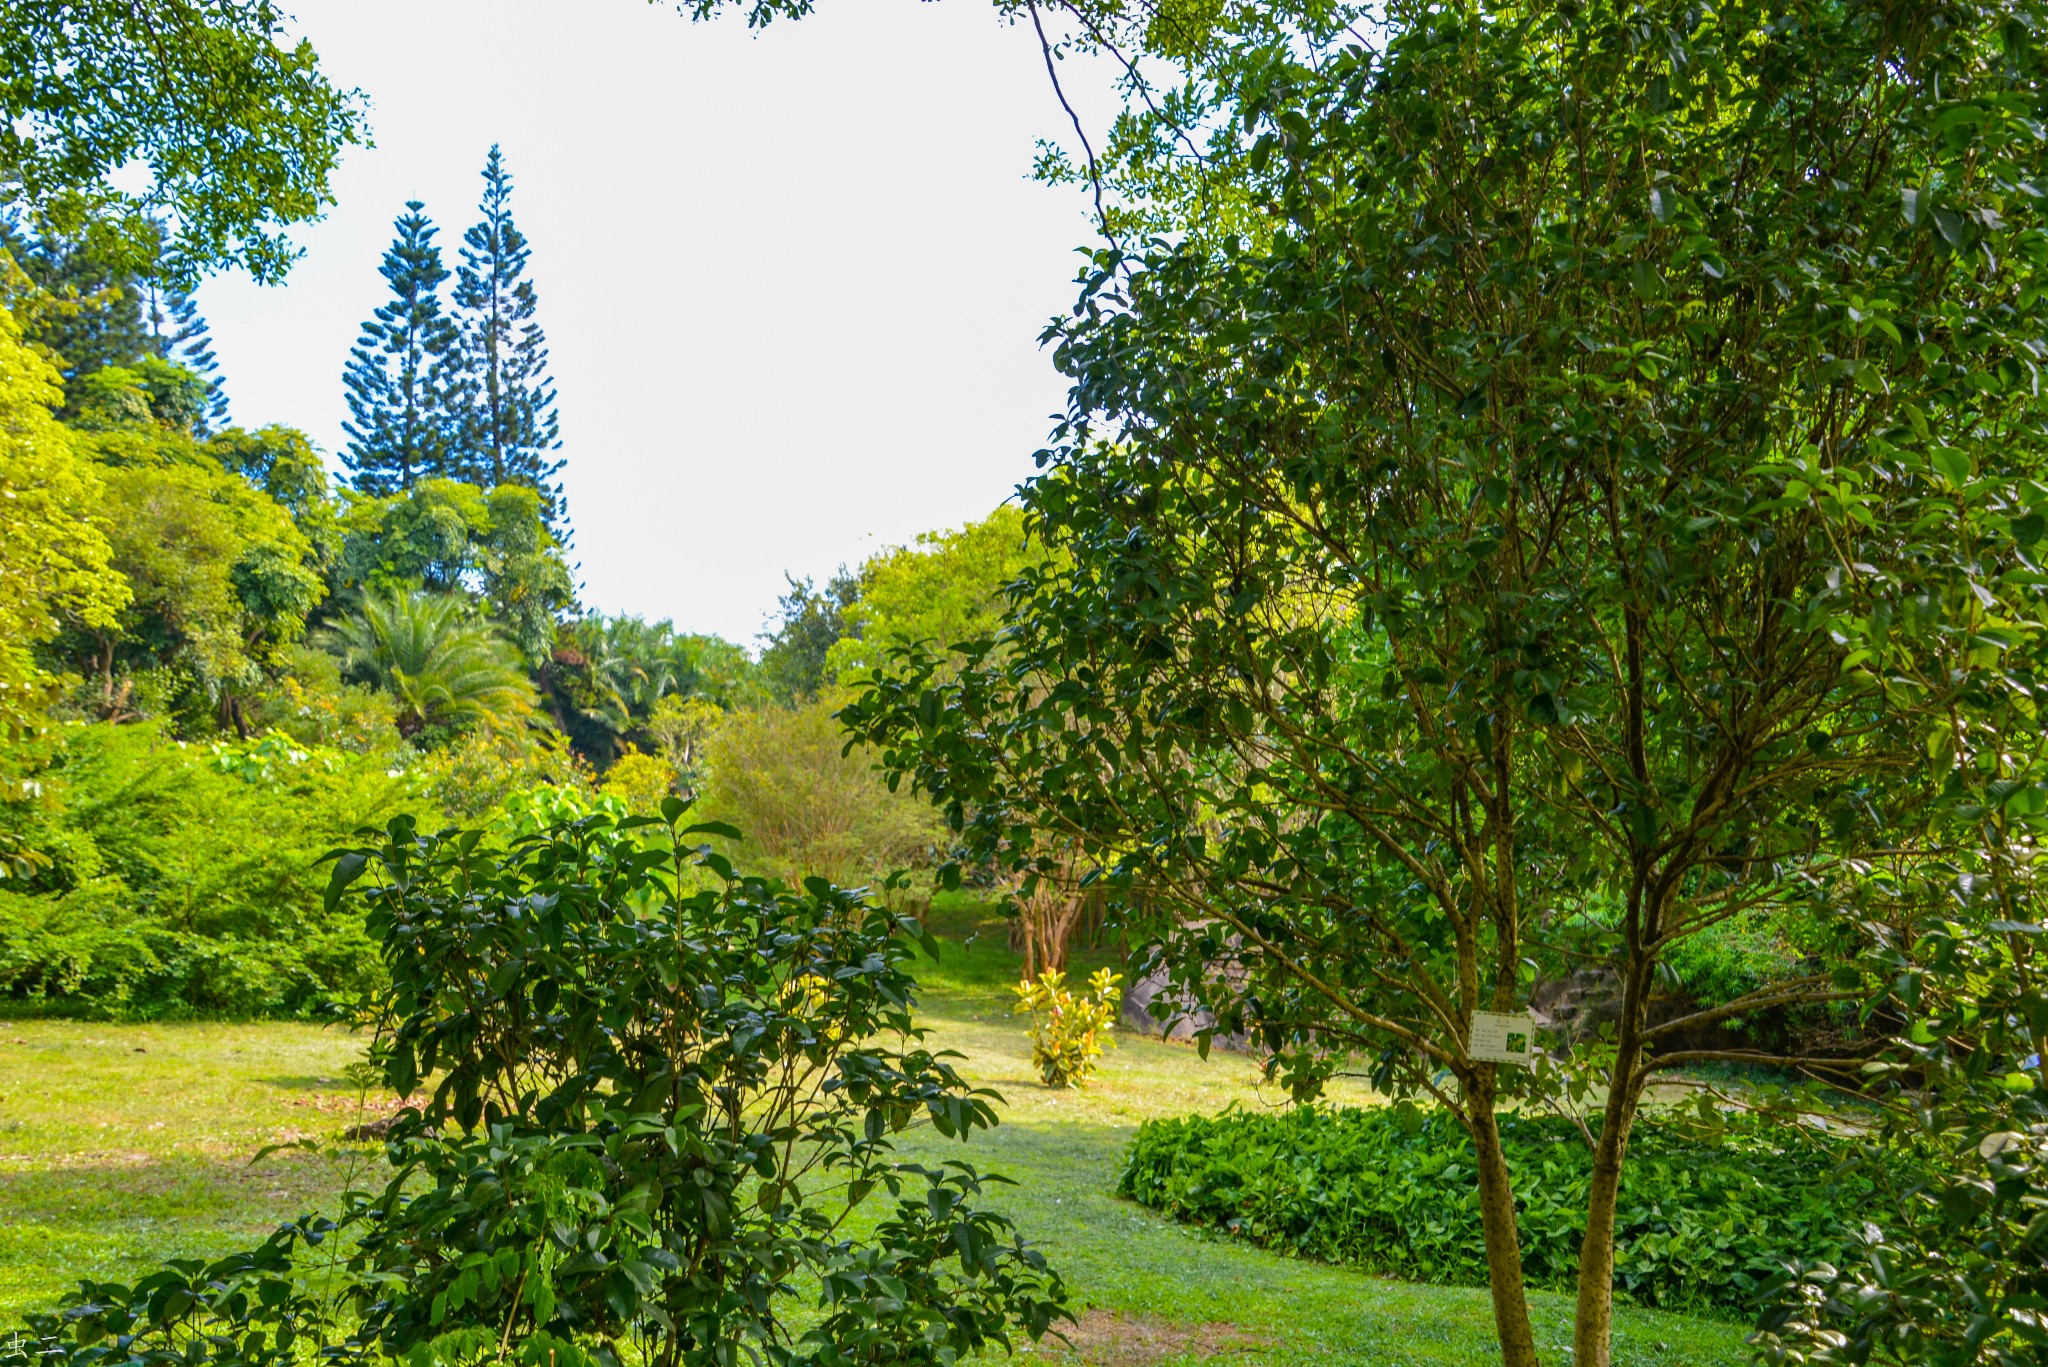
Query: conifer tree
x,y
400,374
510,430
181,336
96,318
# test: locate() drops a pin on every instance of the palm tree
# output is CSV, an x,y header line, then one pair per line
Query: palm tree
x,y
444,668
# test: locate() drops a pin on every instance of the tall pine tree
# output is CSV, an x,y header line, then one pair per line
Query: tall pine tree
x,y
401,373
181,336
510,430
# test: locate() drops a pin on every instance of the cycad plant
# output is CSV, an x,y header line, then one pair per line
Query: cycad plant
x,y
446,669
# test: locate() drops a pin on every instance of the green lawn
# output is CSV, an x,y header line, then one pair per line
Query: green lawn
x,y
120,1145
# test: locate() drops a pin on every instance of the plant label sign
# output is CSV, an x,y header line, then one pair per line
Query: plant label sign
x,y
1502,1037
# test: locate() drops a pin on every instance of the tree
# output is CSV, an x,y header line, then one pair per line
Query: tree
x,y
400,427
607,677
946,588
796,664
94,312
180,336
785,775
449,537
445,670
55,560
1597,506
509,429
220,578
238,128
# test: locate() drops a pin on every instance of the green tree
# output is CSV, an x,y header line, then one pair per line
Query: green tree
x,y
237,127
56,563
785,775
945,589
1596,510
402,426
445,670
509,429
284,464
606,678
449,537
219,577
796,663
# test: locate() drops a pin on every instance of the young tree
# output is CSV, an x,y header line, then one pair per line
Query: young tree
x,y
1598,503
399,374
509,429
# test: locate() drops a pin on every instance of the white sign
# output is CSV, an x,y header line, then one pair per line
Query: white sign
x,y
1502,1037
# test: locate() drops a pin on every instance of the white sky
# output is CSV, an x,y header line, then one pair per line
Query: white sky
x,y
792,282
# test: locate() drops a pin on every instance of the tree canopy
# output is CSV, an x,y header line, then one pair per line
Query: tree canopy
x,y
238,128
1579,515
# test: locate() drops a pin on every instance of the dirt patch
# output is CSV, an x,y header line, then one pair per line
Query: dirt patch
x,y
1109,1338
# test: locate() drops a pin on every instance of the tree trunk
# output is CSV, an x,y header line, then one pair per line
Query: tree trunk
x,y
1593,1320
1503,1239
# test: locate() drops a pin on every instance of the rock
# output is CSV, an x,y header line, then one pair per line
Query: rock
x,y
374,1129
1184,1018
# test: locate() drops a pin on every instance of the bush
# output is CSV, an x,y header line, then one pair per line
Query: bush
x,y
1700,1224
1068,1029
176,879
783,775
651,1093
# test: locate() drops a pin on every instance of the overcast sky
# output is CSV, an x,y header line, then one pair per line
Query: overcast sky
x,y
792,281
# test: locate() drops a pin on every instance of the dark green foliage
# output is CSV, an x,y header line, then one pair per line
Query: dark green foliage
x,y
1700,1224
95,314
796,663
1952,1270
399,373
508,428
180,335
606,674
179,879
99,313
652,1089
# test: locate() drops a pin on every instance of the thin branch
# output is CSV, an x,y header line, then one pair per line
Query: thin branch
x,y
1052,73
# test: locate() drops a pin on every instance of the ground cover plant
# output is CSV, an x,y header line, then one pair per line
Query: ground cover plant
x,y
1703,1223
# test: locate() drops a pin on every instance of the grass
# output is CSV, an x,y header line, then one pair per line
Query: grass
x,y
121,1145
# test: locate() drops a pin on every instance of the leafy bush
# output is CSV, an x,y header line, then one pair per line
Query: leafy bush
x,y
1068,1029
177,879
784,776
654,1093
1699,1224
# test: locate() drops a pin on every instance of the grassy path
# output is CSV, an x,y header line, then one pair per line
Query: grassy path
x,y
120,1145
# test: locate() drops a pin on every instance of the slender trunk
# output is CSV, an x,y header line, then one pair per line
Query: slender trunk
x,y
1593,1320
1503,1239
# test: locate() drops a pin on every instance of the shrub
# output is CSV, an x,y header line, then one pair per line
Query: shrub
x,y
654,1092
784,776
177,879
1069,1029
1700,1224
